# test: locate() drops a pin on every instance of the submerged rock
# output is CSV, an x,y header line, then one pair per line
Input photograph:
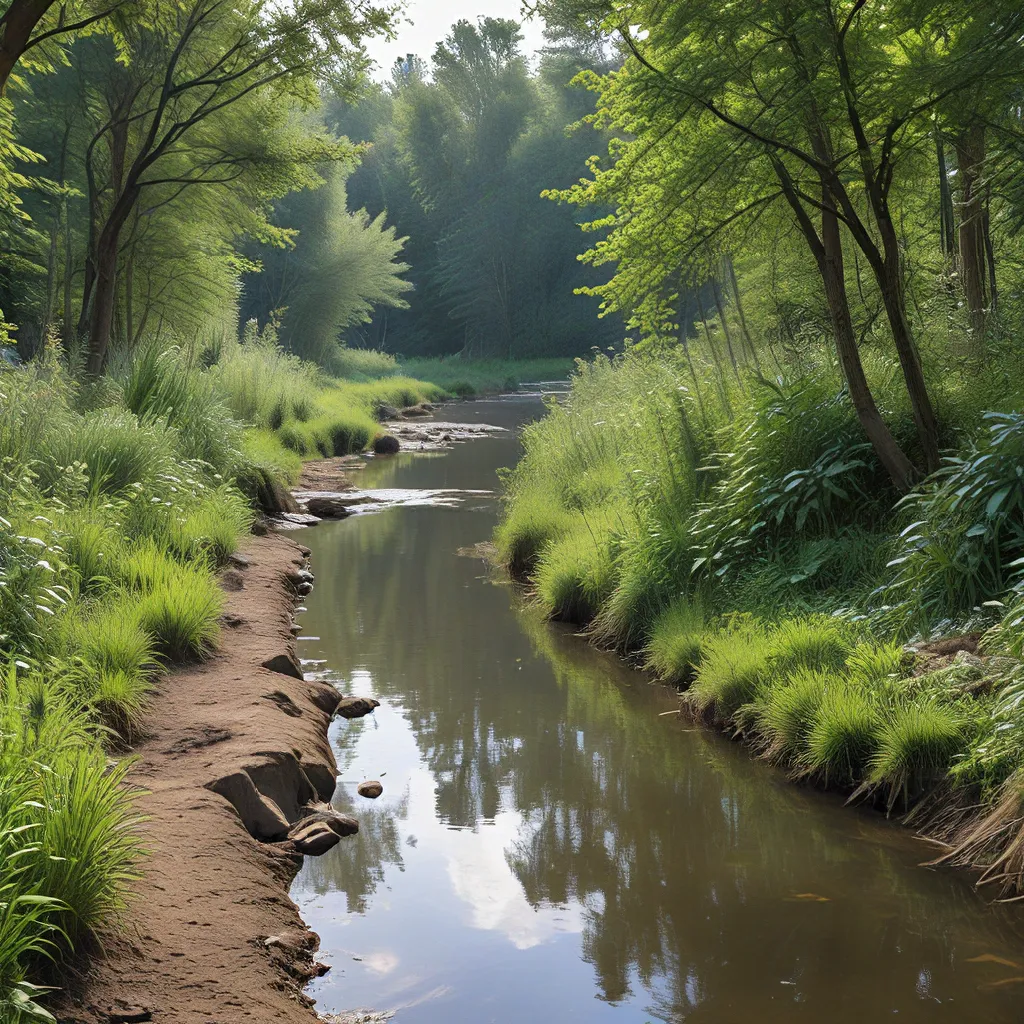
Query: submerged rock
x,y
329,508
386,444
371,790
356,707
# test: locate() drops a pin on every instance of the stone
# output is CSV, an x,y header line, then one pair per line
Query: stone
x,y
356,707
239,561
329,508
285,665
415,411
262,817
386,412
371,790
314,840
386,444
340,823
260,528
303,589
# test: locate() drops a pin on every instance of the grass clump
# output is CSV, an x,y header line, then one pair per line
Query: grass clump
x,y
844,736
917,744
816,642
677,640
734,665
576,574
786,712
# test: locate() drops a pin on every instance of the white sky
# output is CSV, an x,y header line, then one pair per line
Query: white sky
x,y
431,21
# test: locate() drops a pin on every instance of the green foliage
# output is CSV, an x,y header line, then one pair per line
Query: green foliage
x,y
965,540
818,643
785,713
916,746
469,377
576,574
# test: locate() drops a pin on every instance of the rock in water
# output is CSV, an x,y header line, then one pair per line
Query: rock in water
x,y
386,412
386,444
314,840
356,707
329,508
340,823
372,790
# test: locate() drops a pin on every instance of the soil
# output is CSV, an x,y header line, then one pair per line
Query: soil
x,y
193,947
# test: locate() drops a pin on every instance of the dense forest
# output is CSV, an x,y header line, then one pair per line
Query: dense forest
x,y
794,235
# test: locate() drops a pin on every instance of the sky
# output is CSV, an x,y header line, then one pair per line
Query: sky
x,y
431,20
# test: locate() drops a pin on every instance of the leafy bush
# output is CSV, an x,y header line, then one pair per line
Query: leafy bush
x,y
965,539
844,736
180,612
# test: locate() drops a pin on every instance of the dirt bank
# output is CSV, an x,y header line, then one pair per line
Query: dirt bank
x,y
193,949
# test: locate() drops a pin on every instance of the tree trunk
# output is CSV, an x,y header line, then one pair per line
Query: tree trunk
x,y
101,322
970,155
890,283
947,231
742,315
892,457
16,28
69,271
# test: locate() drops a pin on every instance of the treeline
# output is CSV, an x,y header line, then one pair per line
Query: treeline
x,y
462,148
154,158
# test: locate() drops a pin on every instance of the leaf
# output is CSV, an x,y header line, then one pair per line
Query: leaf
x,y
996,501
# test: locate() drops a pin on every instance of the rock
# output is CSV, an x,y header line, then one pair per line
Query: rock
x,y
329,508
371,790
304,551
340,823
386,444
261,816
291,939
260,528
285,665
314,840
968,659
386,412
239,561
303,589
356,707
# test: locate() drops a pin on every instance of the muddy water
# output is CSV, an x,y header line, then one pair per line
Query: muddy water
x,y
548,849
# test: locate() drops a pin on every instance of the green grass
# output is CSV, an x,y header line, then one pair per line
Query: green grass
x,y
677,640
916,746
467,378
786,711
576,575
844,736
734,665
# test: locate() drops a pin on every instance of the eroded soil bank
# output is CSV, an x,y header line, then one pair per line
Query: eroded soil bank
x,y
194,945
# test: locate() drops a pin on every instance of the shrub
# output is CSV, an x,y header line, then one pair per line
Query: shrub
x,y
108,641
531,524
210,531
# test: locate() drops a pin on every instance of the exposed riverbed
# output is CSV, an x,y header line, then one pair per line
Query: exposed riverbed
x,y
548,848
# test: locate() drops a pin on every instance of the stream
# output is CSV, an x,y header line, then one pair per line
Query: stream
x,y
548,848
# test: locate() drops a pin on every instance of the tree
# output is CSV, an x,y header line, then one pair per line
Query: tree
x,y
815,107
183,76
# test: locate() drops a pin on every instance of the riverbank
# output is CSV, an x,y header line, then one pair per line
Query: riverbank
x,y
750,551
210,933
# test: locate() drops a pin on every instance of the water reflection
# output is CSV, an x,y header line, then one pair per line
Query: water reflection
x,y
548,846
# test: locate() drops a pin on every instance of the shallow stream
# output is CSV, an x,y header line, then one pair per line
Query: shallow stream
x,y
549,849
